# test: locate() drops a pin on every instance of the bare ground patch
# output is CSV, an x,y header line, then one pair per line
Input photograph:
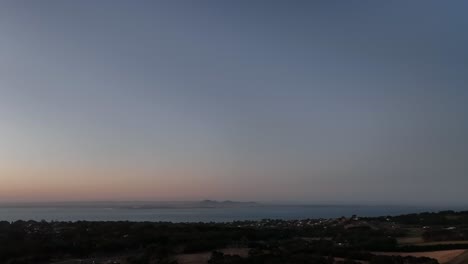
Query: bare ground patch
x,y
457,242
203,257
443,256
460,259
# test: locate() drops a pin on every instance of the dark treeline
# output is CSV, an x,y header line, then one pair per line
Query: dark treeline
x,y
442,218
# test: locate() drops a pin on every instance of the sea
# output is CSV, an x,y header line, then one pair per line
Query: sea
x,y
284,212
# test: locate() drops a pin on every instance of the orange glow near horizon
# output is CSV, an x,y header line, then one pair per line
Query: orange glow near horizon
x,y
86,184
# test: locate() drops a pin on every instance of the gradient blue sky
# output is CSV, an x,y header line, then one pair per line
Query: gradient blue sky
x,y
316,101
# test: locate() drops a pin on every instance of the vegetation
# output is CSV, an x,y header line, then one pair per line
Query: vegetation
x,y
269,241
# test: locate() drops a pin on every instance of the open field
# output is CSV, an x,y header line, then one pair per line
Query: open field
x,y
358,261
203,257
460,259
419,241
413,236
443,256
455,242
410,240
120,260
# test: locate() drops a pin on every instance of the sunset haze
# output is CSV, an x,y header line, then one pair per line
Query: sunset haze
x,y
316,102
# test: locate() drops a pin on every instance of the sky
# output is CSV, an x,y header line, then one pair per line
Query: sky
x,y
310,101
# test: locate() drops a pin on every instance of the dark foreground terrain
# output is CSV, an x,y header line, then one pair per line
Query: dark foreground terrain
x,y
426,238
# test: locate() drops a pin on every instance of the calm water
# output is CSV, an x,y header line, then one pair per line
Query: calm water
x,y
203,214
